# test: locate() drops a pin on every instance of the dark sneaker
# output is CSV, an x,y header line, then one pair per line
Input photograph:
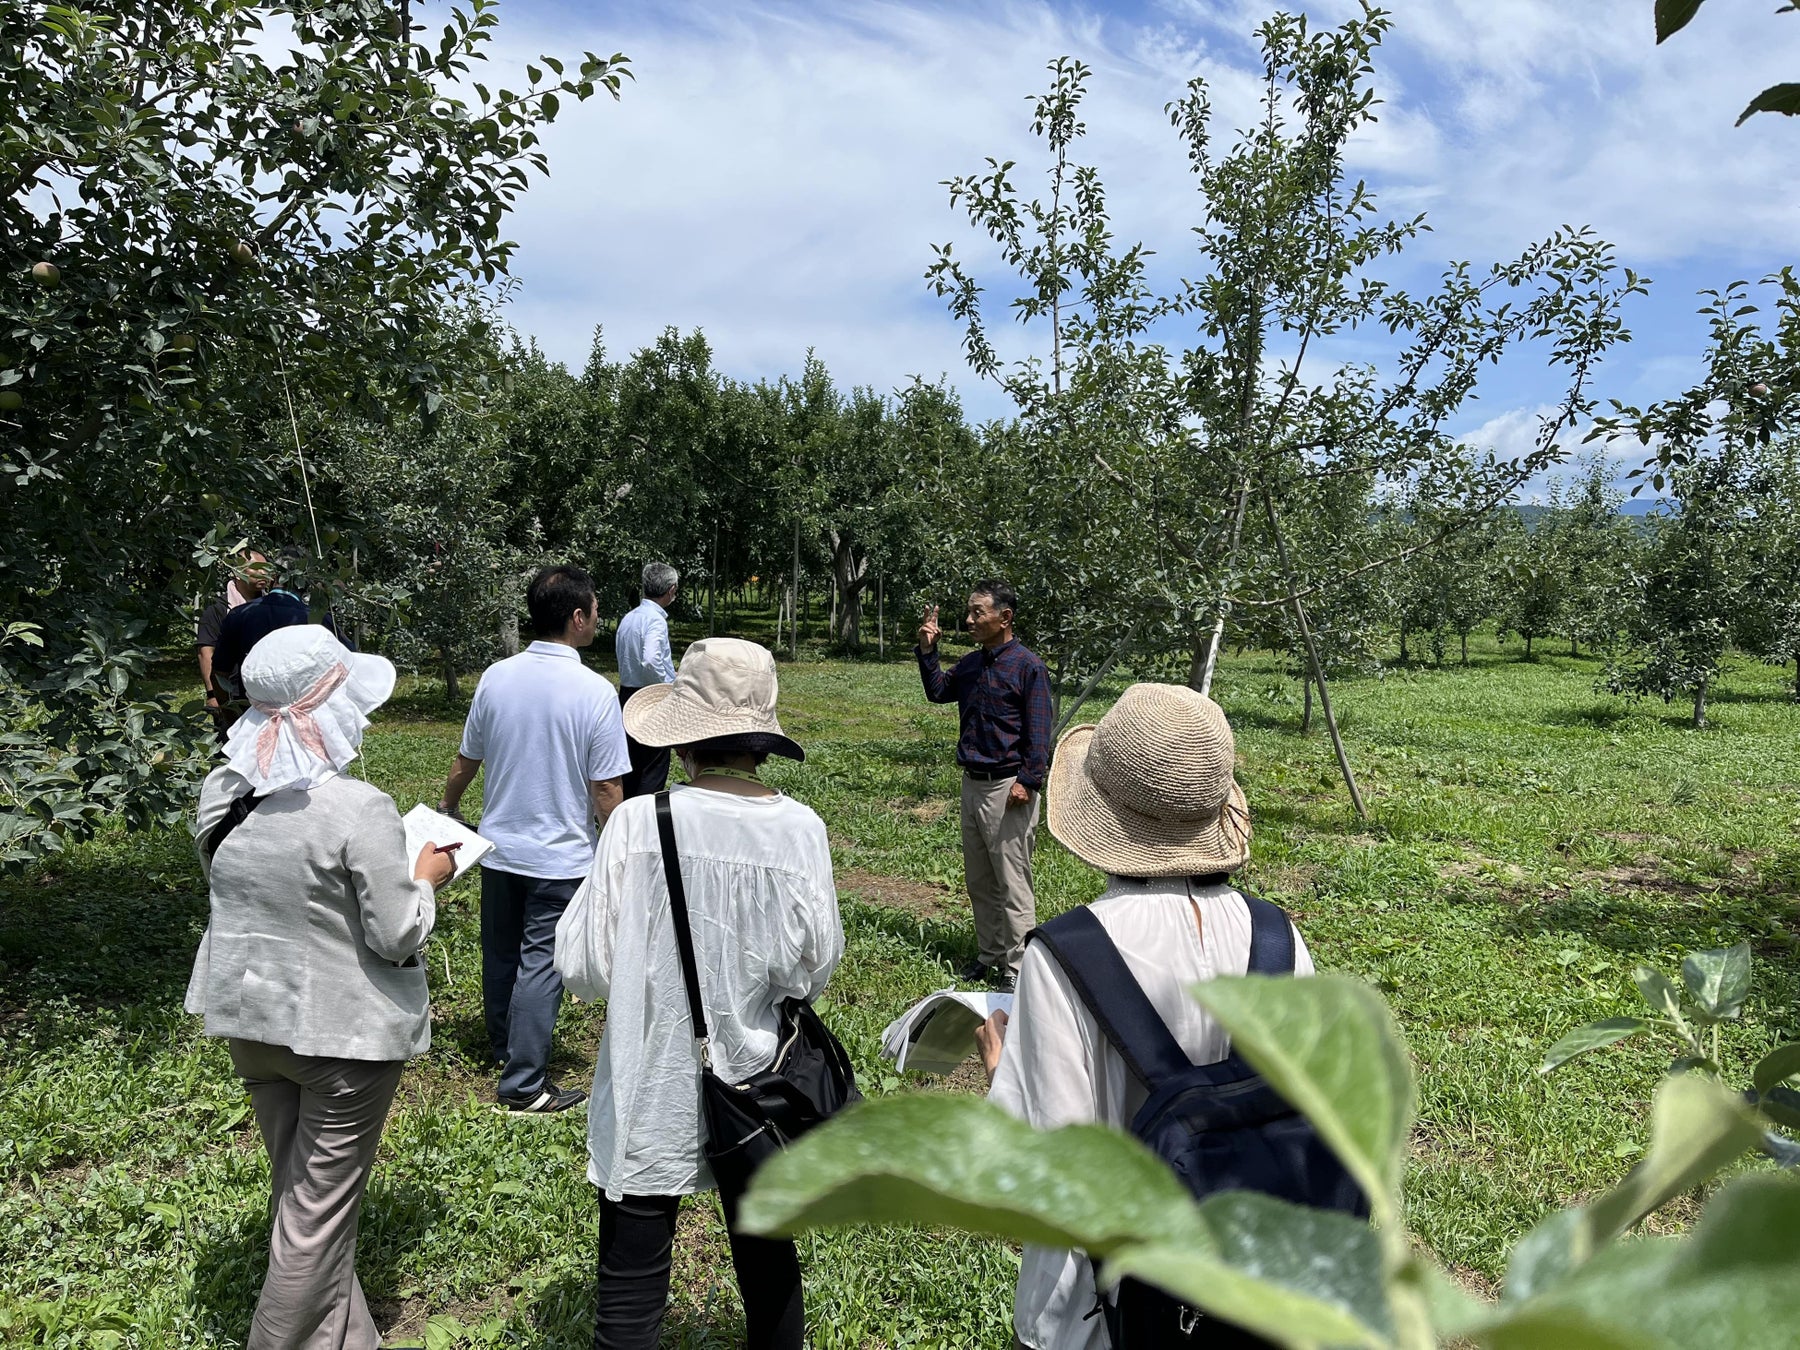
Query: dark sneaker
x,y
1002,984
549,1100
976,972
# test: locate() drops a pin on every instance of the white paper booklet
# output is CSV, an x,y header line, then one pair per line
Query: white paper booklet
x,y
425,826
937,1033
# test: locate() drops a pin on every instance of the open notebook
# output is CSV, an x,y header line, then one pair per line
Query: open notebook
x,y
425,826
937,1033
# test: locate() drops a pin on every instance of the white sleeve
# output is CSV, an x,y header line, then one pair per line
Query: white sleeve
x,y
658,655
474,736
607,755
589,923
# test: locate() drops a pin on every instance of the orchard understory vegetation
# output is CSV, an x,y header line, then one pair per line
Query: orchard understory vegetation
x,y
253,294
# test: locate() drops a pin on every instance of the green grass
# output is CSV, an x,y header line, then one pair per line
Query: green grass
x,y
1529,842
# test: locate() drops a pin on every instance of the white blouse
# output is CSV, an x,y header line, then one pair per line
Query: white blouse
x,y
1057,1067
757,873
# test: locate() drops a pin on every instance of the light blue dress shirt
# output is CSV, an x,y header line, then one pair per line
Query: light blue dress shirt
x,y
642,647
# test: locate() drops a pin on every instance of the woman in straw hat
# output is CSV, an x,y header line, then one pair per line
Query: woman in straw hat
x,y
310,963
762,907
1148,797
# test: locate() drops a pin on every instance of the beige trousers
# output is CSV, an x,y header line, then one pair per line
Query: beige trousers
x,y
321,1120
997,841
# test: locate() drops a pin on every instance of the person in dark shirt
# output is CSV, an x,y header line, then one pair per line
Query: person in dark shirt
x,y
1002,693
248,625
248,581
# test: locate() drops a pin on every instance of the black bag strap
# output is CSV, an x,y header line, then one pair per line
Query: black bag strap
x,y
1112,994
1125,1015
684,935
1271,938
234,816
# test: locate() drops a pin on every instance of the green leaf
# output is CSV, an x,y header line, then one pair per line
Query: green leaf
x,y
1779,98
1780,1064
1329,1046
1696,1128
1316,1297
1295,1274
1658,990
1673,15
1719,980
442,1332
1781,1105
955,1160
1591,1037
1734,1283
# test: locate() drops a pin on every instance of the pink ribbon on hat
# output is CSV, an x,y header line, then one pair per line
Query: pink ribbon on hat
x,y
300,713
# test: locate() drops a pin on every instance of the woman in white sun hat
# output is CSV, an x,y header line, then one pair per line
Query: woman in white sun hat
x,y
310,963
762,906
1148,797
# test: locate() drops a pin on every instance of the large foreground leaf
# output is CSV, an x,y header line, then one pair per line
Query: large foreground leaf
x,y
948,1159
1734,1283
1696,1128
1300,1277
1329,1046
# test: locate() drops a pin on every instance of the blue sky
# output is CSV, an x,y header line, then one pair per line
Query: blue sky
x,y
772,176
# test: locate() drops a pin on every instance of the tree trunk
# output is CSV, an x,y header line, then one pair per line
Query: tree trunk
x,y
451,691
1700,706
881,617
1528,646
850,576
1465,645
509,633
794,599
1306,705
1403,656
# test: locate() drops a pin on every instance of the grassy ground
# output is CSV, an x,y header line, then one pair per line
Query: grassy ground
x,y
1529,842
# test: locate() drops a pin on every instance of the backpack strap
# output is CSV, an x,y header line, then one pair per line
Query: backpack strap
x,y
1271,938
1112,994
684,934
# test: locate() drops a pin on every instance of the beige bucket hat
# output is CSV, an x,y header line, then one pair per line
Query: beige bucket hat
x,y
725,687
1148,791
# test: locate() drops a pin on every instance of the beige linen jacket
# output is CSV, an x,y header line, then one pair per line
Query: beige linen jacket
x,y
316,924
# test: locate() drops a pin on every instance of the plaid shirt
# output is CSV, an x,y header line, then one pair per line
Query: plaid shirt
x,y
1004,700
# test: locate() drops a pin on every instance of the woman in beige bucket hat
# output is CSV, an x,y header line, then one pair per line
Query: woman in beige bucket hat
x,y
1149,797
756,867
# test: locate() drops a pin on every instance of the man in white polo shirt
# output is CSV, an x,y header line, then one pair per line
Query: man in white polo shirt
x,y
548,730
642,646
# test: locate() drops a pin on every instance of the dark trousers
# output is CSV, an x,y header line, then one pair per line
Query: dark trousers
x,y
649,764
521,992
637,1238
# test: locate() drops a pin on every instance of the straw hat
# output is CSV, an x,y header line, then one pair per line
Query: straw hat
x,y
310,699
1148,791
725,687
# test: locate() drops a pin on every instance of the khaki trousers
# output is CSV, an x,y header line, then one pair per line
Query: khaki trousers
x,y
997,841
321,1120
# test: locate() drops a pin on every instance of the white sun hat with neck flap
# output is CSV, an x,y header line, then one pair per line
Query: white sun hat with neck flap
x,y
310,699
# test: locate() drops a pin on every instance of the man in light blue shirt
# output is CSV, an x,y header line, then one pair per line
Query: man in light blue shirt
x,y
547,730
644,660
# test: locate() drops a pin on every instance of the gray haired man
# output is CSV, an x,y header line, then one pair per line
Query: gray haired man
x,y
645,659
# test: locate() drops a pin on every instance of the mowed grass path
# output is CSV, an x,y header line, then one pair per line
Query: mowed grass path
x,y
1530,842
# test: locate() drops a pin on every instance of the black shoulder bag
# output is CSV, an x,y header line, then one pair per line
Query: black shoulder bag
x,y
234,816
809,1081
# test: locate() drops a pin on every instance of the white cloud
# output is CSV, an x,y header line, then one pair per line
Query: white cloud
x,y
773,175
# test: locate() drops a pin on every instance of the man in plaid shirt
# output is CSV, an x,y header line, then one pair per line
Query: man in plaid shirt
x,y
1002,692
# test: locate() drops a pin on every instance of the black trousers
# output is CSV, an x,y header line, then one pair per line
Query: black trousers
x,y
637,1239
649,764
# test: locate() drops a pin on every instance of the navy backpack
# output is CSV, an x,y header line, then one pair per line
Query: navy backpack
x,y
1219,1126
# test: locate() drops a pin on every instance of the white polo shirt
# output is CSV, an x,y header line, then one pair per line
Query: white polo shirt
x,y
544,726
